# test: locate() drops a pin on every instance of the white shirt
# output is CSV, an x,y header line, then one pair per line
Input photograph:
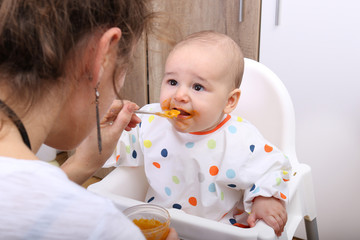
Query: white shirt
x,y
38,201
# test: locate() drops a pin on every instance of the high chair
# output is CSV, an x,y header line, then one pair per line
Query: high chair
x,y
266,103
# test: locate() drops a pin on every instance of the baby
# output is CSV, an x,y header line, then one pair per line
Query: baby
x,y
205,161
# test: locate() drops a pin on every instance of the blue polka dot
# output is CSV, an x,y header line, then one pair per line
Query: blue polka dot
x,y
133,138
252,148
151,199
140,124
256,190
189,144
232,129
232,185
164,152
232,221
252,188
230,173
212,187
134,154
168,191
177,206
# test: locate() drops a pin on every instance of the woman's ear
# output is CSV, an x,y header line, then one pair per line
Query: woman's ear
x,y
106,52
233,99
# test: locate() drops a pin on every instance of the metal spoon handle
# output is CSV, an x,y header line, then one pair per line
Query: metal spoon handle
x,y
145,112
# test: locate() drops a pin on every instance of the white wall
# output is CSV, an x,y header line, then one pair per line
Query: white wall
x,y
316,52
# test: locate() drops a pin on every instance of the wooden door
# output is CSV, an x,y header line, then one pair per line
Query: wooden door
x,y
188,16
135,87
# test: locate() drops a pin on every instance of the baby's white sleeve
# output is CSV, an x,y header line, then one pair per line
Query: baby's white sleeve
x,y
274,170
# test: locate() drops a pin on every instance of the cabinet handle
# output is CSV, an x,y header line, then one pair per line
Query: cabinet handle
x,y
277,13
241,11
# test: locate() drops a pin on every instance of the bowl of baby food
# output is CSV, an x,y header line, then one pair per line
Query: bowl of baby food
x,y
153,220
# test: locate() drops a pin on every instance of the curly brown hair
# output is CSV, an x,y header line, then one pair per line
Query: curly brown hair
x,y
36,37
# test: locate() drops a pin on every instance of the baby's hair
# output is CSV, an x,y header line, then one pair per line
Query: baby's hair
x,y
229,45
37,37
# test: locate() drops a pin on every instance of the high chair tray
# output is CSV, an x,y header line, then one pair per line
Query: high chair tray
x,y
190,227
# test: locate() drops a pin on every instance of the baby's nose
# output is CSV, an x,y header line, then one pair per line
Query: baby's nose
x,y
181,95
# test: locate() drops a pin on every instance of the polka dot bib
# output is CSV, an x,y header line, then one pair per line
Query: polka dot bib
x,y
208,175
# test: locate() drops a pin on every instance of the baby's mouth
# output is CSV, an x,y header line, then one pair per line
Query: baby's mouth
x,y
183,113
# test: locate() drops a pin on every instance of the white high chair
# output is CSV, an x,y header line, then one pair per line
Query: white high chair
x,y
266,103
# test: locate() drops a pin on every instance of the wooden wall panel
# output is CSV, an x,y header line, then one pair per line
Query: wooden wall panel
x,y
190,16
135,87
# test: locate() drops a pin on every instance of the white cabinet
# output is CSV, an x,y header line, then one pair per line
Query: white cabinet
x,y
315,51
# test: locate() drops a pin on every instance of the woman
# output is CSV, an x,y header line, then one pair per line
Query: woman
x,y
61,64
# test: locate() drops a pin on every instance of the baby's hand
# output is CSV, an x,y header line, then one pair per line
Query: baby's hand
x,y
271,210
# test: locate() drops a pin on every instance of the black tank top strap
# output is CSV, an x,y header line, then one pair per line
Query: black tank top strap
x,y
16,120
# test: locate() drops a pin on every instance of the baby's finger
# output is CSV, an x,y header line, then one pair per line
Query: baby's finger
x,y
272,222
281,224
251,220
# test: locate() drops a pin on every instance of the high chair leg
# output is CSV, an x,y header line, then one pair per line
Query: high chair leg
x,y
311,229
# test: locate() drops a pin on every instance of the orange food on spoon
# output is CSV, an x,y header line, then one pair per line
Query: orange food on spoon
x,y
173,113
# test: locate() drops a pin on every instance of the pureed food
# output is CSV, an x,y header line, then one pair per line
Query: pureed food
x,y
152,229
153,220
173,113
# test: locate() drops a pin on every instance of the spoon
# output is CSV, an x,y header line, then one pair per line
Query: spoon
x,y
168,113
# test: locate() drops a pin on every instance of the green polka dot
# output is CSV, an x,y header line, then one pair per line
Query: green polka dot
x,y
175,179
147,143
127,148
222,196
211,144
278,181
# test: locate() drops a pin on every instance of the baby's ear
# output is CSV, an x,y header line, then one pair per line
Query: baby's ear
x,y
233,99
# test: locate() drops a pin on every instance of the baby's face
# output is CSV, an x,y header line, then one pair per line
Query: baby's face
x,y
197,84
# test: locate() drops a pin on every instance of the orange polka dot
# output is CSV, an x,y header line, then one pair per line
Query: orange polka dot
x,y
117,157
285,180
282,196
193,201
213,170
156,164
268,148
241,225
224,215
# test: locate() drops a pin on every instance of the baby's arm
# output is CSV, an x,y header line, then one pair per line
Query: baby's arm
x,y
271,210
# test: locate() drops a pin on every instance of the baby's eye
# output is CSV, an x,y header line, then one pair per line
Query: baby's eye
x,y
172,82
198,87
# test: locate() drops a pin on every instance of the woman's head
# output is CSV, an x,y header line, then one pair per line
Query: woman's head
x,y
52,46
37,37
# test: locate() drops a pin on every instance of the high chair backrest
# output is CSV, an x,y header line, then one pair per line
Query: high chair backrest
x,y
266,103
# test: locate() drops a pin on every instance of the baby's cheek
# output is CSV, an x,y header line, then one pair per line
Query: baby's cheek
x,y
165,104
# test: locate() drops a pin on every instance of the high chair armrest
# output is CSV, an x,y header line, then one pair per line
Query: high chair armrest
x,y
127,186
128,182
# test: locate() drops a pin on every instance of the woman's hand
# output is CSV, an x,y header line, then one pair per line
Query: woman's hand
x,y
87,160
172,235
271,210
